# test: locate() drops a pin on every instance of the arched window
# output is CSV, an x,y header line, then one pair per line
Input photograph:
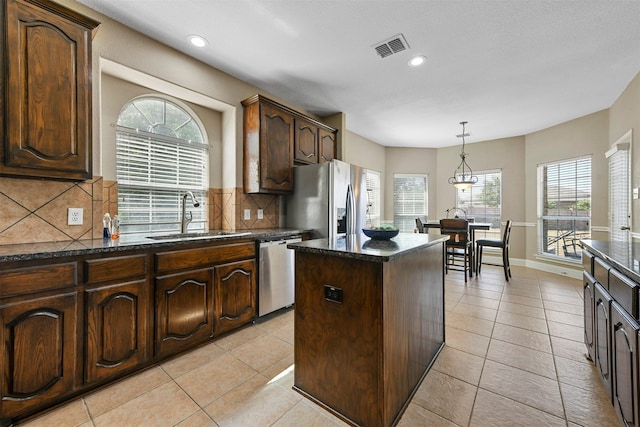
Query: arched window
x,y
162,152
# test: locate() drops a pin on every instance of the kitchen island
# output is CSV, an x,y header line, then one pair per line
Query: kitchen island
x,y
369,322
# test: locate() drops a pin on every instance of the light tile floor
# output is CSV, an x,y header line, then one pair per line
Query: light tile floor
x,y
513,357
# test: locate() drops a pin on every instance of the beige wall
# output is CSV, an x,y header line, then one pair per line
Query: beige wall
x,y
584,136
410,160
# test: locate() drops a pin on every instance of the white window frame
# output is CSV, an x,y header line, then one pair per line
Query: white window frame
x,y
470,201
404,214
155,169
563,212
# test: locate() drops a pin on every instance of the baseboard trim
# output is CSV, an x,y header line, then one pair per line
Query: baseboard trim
x,y
561,270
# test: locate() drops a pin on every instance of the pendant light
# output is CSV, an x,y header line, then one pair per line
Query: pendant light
x,y
463,178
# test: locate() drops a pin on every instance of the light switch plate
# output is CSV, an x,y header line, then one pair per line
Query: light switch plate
x,y
74,216
247,214
260,213
635,193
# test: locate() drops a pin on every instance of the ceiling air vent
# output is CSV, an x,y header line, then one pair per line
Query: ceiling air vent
x,y
393,45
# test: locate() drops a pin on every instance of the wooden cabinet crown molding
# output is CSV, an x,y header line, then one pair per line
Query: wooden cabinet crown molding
x,y
294,113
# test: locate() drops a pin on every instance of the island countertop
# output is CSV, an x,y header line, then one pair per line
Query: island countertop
x,y
359,246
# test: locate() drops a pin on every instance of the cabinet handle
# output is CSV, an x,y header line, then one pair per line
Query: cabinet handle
x,y
625,227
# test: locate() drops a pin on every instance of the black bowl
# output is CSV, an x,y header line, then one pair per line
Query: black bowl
x,y
380,234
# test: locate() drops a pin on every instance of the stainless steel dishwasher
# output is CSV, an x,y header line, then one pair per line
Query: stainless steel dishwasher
x,y
276,276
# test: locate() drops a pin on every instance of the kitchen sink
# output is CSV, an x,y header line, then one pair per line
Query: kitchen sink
x,y
205,235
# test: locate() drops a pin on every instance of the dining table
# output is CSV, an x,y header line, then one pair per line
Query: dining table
x,y
473,226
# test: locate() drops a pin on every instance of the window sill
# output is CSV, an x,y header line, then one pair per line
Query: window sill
x,y
571,262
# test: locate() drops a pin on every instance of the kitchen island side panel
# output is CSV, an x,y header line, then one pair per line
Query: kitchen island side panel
x,y
413,319
363,358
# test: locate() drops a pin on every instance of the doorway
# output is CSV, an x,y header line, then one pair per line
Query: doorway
x,y
620,189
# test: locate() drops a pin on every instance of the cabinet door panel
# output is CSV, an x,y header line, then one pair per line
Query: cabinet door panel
x,y
184,310
306,142
39,333
235,285
602,329
276,149
117,329
625,368
589,303
327,145
49,89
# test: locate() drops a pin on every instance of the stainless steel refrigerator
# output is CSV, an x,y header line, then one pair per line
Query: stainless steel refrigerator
x,y
329,198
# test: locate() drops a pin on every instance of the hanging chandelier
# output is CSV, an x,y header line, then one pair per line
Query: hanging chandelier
x,y
463,178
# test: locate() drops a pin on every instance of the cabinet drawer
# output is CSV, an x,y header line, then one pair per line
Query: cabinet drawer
x,y
207,256
624,291
37,279
601,272
101,270
587,261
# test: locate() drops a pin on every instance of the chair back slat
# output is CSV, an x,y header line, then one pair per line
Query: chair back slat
x,y
457,229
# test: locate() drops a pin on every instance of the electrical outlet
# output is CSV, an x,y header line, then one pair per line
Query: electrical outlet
x,y
74,216
247,214
260,213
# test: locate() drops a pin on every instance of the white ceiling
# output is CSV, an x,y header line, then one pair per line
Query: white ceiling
x,y
507,67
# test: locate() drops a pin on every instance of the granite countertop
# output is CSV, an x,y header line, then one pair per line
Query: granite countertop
x,y
34,251
359,246
624,256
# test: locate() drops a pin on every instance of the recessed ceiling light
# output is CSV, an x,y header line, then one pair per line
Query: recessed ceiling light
x,y
416,61
197,41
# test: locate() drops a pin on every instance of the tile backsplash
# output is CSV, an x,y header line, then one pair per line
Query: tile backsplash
x,y
34,210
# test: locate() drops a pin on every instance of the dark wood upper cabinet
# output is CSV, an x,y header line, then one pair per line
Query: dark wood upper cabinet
x,y
268,148
275,137
306,142
327,145
45,97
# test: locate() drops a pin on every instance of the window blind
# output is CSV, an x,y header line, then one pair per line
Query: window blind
x,y
154,170
410,199
564,205
483,201
373,196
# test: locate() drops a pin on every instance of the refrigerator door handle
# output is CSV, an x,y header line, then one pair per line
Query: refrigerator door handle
x,y
350,211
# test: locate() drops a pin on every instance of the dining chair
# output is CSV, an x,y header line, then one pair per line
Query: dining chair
x,y
502,244
459,246
420,222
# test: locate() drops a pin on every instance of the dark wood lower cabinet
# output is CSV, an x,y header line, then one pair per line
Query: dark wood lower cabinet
x,y
602,329
117,329
616,325
625,364
184,310
235,299
588,283
77,322
39,352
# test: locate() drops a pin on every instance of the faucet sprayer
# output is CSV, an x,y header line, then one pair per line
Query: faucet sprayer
x,y
196,203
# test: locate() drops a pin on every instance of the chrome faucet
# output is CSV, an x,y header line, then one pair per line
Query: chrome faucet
x,y
184,220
